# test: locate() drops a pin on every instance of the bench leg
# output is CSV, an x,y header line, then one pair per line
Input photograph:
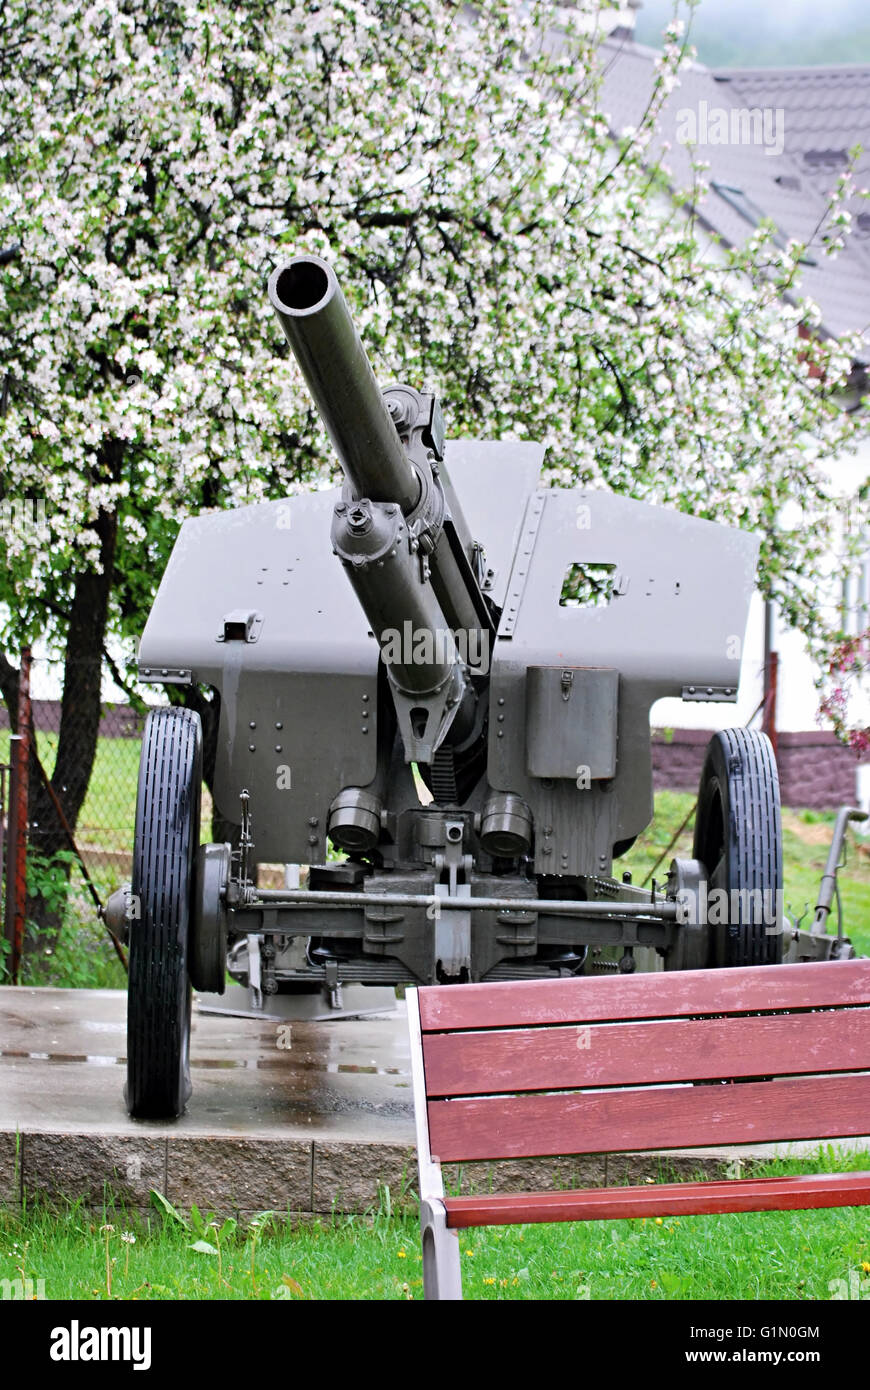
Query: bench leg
x,y
442,1276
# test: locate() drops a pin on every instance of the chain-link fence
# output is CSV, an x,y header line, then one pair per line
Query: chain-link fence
x,y
80,817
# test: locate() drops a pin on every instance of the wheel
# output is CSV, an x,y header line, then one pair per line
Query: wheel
x,y
738,839
167,838
207,944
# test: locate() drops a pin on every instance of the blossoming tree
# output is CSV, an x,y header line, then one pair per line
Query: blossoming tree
x,y
495,238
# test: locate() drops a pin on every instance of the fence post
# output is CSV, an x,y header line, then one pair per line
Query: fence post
x,y
5,792
771,680
16,873
11,842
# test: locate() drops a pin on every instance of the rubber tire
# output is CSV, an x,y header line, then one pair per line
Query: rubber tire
x,y
167,838
738,838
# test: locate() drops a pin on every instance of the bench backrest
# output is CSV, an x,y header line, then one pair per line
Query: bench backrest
x,y
603,1065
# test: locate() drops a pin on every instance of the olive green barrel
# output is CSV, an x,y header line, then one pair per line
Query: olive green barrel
x,y
317,324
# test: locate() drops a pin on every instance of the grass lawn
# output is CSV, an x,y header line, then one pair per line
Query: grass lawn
x,y
770,1255
109,811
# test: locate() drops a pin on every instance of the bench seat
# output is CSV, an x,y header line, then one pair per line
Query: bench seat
x,y
653,1062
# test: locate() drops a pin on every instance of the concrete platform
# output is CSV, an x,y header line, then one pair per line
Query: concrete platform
x,y
299,1115
305,1116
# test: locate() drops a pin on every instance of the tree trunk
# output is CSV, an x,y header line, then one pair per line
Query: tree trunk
x,y
80,707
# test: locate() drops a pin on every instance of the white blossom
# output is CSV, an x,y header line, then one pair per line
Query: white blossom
x,y
490,237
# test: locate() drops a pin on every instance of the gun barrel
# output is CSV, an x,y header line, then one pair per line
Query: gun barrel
x,y
317,324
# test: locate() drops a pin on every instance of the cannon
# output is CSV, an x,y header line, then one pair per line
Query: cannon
x,y
444,722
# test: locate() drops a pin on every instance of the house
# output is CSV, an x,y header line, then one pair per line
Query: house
x,y
776,141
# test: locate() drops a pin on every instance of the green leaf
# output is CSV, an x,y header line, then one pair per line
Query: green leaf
x,y
673,1284
167,1209
202,1247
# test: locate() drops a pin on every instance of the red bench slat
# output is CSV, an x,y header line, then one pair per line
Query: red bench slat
x,y
531,1125
669,994
636,1053
664,1199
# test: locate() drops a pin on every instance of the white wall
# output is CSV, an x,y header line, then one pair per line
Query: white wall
x,y
797,697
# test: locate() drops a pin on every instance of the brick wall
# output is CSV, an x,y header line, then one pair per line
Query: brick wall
x,y
116,721
815,770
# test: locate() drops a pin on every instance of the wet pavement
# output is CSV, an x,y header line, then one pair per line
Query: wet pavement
x,y
63,1062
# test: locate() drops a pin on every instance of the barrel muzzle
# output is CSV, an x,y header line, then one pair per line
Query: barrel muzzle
x,y
317,324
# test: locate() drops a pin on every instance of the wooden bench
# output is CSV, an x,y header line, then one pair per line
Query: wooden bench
x,y
608,1065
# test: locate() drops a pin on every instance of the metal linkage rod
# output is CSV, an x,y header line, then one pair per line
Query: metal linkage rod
x,y
274,897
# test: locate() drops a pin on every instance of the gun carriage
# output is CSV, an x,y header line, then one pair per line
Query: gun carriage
x,y
456,700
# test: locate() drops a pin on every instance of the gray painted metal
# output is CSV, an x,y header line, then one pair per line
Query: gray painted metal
x,y
314,667
208,919
665,626
571,727
314,316
664,911
828,885
533,738
400,533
